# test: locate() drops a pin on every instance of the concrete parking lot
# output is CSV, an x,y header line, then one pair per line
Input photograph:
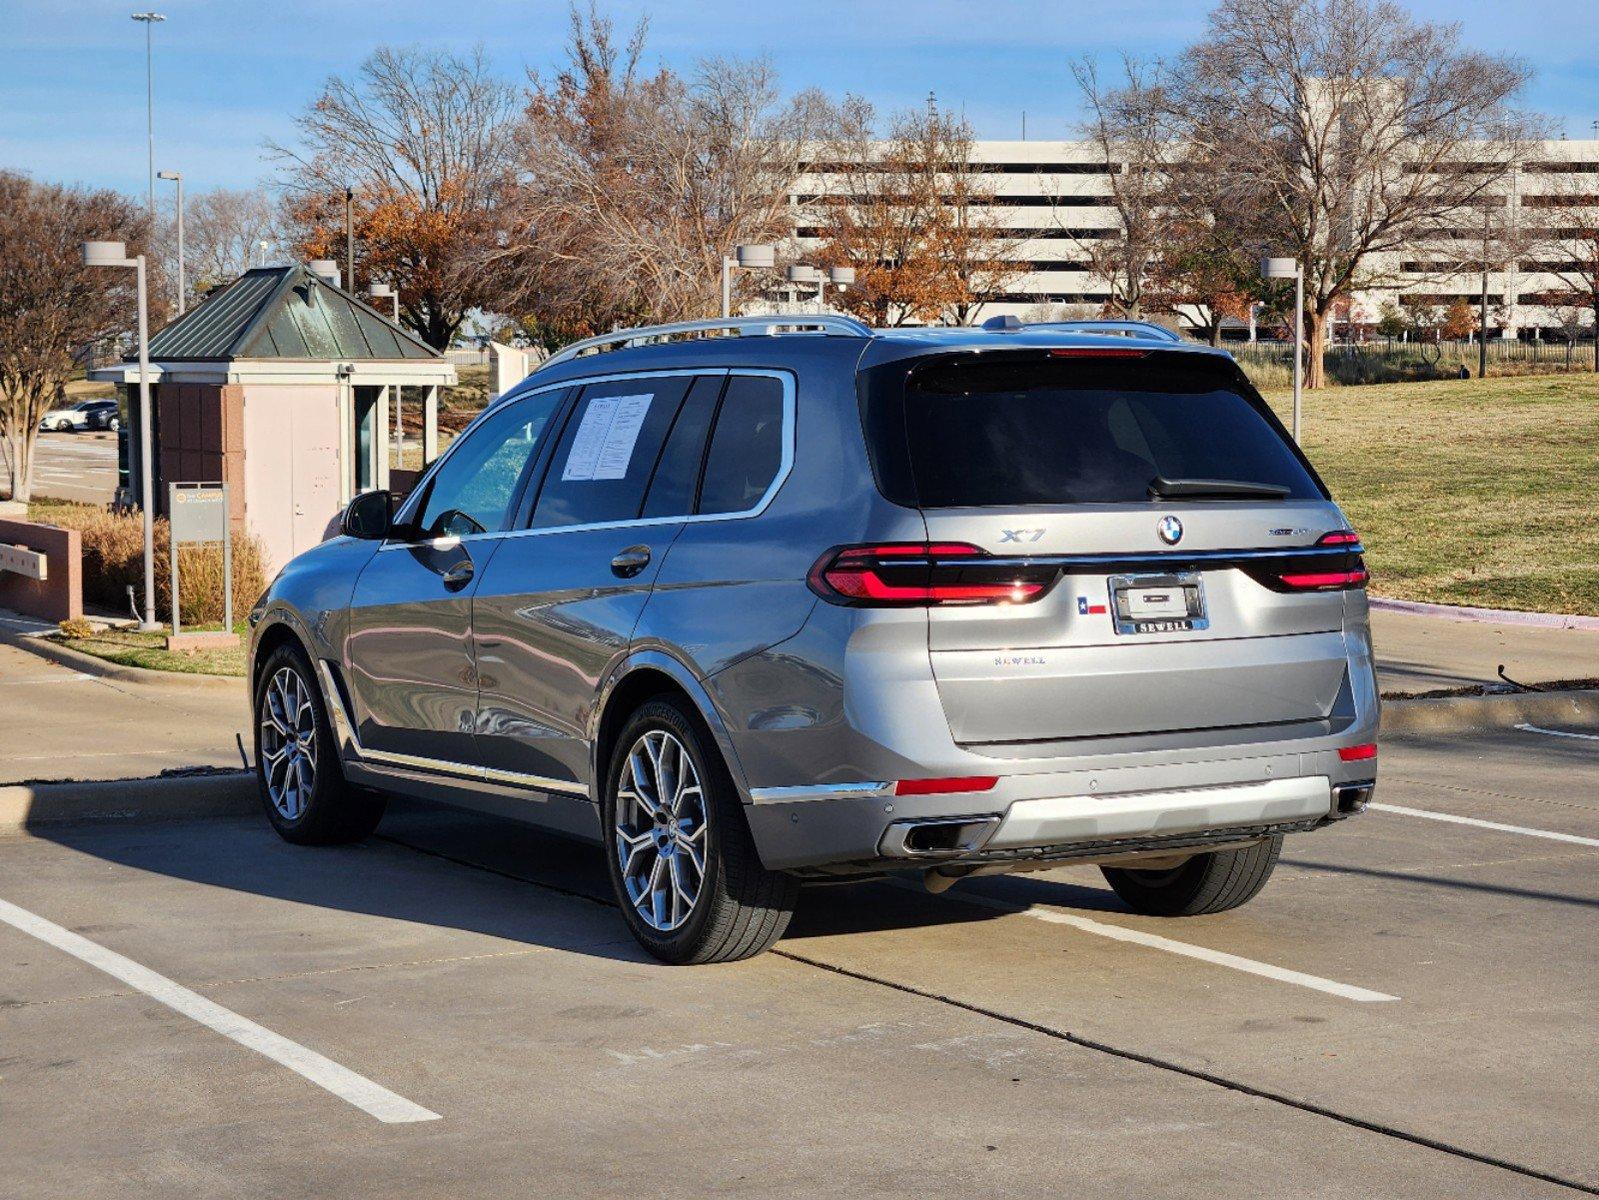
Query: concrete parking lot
x,y
76,466
198,1009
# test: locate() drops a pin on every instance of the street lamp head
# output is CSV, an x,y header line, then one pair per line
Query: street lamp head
x,y
105,254
380,290
169,174
756,256
148,17
1279,268
801,273
843,276
326,268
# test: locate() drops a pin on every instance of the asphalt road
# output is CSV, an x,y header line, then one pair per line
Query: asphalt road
x,y
76,466
452,1008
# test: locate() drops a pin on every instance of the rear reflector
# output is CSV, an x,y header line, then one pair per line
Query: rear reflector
x,y
1358,753
939,787
914,574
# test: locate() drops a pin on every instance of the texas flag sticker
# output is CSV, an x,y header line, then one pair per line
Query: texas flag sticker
x,y
1084,608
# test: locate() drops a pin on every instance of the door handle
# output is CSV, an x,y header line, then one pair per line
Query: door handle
x,y
630,562
458,576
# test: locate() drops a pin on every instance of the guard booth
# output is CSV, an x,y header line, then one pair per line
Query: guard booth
x,y
291,391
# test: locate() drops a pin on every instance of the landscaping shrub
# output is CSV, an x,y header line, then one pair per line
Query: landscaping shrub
x,y
76,627
113,559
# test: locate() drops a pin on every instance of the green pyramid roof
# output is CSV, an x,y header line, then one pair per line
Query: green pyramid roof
x,y
285,313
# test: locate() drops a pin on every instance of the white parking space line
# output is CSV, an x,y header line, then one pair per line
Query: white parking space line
x,y
1497,826
344,1083
1154,941
1563,733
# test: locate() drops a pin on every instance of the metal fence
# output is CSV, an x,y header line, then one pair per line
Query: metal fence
x,y
1371,362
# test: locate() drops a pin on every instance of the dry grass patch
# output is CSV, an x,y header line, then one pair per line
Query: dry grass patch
x,y
1480,492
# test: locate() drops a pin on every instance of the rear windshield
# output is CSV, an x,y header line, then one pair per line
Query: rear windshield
x,y
1026,429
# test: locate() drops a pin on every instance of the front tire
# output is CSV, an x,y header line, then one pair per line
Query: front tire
x,y
1206,883
683,866
297,761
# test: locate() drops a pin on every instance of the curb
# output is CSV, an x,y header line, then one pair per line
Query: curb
x,y
89,664
1487,616
24,807
1461,714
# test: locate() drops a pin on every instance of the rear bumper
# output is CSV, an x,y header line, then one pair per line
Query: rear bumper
x,y
1057,815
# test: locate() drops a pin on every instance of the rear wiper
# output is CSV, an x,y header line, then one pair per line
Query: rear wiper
x,y
1161,488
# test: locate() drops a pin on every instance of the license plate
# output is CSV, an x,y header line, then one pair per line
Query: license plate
x,y
1173,603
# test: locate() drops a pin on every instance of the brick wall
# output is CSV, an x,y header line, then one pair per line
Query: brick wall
x,y
60,596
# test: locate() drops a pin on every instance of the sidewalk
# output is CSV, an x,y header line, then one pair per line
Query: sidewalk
x,y
57,723
1425,654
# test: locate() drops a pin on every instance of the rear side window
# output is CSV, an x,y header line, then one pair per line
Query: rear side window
x,y
746,450
608,451
1030,430
672,490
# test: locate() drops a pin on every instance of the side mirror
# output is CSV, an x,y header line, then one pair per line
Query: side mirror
x,y
370,516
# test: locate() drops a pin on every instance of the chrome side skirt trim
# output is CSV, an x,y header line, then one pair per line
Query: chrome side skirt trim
x,y
819,791
350,747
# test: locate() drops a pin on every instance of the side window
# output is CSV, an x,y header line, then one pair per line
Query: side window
x,y
608,451
672,489
746,446
474,486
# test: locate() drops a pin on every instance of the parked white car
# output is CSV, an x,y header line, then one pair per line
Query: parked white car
x,y
88,414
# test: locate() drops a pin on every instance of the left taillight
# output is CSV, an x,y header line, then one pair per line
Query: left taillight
x,y
925,574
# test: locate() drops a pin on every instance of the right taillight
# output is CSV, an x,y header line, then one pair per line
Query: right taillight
x,y
1338,567
925,574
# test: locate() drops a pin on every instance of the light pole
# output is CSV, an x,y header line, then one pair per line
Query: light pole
x,y
349,239
384,291
115,254
750,258
839,277
150,19
803,273
183,281
1292,268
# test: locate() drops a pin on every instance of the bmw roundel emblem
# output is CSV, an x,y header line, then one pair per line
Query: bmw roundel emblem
x,y
1171,530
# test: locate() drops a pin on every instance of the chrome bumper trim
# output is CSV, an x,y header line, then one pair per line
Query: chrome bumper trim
x,y
819,791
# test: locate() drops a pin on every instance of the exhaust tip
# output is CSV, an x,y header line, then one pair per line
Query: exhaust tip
x,y
946,837
1352,798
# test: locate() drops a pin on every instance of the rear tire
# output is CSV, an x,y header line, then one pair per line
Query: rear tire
x,y
1206,883
683,867
302,786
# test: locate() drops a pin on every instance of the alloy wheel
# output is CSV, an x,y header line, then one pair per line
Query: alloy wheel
x,y
661,830
288,743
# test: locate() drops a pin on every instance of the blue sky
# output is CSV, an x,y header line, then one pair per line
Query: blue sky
x,y
229,73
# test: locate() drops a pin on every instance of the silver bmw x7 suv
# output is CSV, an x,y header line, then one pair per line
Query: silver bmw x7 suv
x,y
756,602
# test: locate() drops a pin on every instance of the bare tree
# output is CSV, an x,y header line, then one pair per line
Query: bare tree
x,y
226,232
633,187
51,306
1130,125
1352,129
914,214
421,137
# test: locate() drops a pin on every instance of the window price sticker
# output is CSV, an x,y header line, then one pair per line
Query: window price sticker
x,y
603,447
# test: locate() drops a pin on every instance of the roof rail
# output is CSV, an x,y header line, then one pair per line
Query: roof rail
x,y
619,339
1112,328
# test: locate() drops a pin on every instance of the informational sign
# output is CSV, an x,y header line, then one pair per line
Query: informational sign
x,y
198,513
603,447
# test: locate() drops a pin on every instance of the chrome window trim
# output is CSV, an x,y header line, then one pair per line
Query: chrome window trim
x,y
784,469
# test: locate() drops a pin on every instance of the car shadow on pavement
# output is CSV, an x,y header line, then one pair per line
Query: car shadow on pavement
x,y
432,865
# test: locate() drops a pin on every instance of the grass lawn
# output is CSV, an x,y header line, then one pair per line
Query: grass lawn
x,y
131,648
1467,491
